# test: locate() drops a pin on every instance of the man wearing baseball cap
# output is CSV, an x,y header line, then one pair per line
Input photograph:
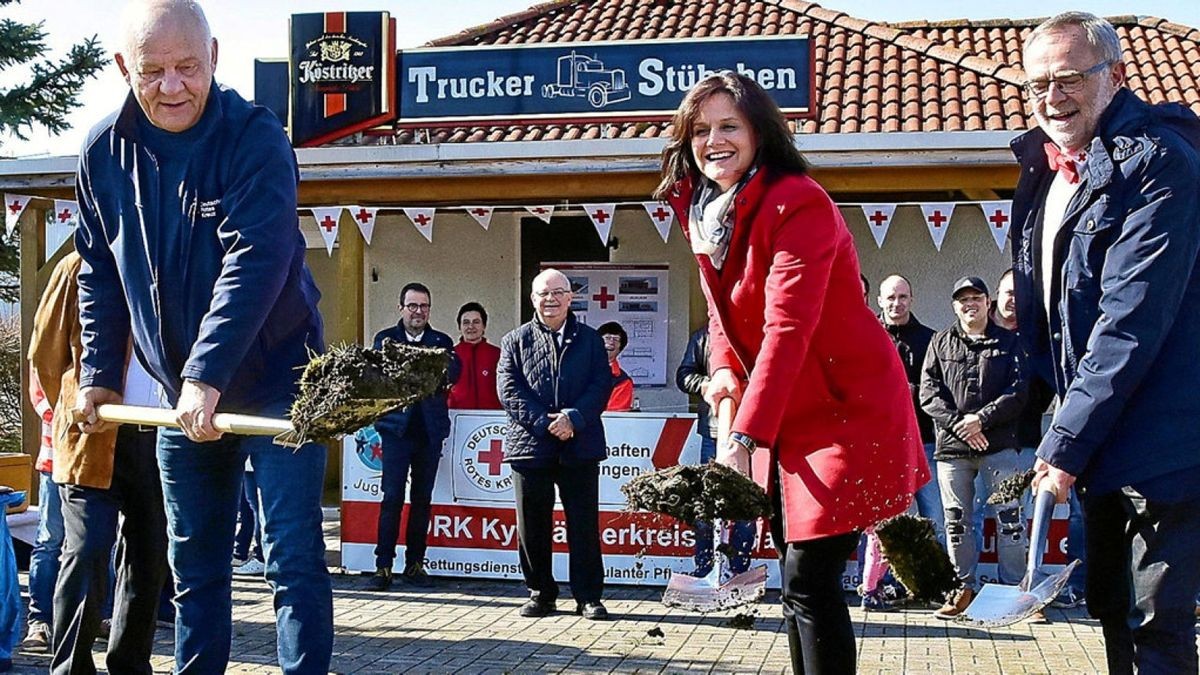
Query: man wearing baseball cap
x,y
973,388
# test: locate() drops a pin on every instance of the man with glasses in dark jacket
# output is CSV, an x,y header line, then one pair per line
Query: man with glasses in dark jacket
x,y
554,382
1106,258
973,387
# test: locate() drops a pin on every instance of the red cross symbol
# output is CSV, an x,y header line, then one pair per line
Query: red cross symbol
x,y
601,215
998,219
329,223
363,216
480,212
421,220
14,207
493,456
878,218
661,214
937,219
604,297
64,216
376,450
539,210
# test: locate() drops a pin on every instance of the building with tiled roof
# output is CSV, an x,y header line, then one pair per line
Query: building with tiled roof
x,y
903,113
915,76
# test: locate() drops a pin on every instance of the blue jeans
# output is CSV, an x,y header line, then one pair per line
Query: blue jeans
x,y
402,455
248,531
1076,542
47,547
202,483
929,498
741,535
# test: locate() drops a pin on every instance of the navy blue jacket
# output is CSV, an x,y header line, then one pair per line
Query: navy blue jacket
x,y
534,379
237,309
433,410
1122,346
692,375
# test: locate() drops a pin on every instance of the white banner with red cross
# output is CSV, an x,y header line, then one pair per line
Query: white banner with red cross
x,y
879,219
937,218
14,206
999,219
422,219
364,217
61,224
662,216
473,529
601,216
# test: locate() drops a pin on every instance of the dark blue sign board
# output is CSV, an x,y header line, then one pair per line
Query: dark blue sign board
x,y
574,82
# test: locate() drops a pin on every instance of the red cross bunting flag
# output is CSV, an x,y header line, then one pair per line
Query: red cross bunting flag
x,y
327,218
879,219
364,217
481,214
422,219
998,216
662,216
542,212
61,225
602,218
937,218
14,206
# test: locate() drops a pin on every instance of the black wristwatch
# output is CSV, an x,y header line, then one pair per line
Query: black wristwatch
x,y
743,440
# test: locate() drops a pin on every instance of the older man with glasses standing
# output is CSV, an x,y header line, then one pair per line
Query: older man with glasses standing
x,y
1106,251
412,443
554,382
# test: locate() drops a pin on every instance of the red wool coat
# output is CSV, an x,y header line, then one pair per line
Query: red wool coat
x,y
476,386
827,391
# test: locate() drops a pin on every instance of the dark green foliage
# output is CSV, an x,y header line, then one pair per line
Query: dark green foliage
x,y
917,560
1012,488
51,89
350,386
691,493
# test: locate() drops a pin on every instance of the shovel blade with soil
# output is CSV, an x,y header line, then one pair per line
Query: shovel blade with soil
x,y
341,391
998,605
712,491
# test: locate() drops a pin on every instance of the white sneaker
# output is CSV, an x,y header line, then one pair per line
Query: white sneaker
x,y
252,568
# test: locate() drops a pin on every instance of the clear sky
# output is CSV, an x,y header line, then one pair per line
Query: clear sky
x,y
247,29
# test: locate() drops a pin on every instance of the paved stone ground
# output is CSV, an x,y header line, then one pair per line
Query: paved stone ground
x,y
473,626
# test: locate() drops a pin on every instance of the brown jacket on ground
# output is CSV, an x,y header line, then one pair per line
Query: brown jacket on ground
x,y
55,348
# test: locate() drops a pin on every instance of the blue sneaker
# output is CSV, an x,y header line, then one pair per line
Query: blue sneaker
x,y
875,601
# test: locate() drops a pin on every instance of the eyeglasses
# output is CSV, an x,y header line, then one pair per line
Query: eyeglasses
x,y
414,307
1068,82
556,293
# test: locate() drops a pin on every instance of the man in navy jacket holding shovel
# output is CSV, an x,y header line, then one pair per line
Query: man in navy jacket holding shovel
x,y
189,236
1106,246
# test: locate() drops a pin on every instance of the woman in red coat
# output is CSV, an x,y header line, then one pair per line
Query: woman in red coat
x,y
818,382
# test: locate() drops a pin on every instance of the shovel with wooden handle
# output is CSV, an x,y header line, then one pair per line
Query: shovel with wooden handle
x,y
999,605
229,423
707,593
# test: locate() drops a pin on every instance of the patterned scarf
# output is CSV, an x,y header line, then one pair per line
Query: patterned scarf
x,y
710,219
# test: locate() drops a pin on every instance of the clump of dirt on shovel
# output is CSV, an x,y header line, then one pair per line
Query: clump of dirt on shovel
x,y
917,560
350,386
1012,488
690,493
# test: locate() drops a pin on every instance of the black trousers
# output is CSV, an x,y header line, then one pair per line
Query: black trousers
x,y
90,521
1143,574
820,635
402,455
579,489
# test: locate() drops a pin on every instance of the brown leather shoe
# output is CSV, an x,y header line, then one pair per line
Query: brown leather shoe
x,y
957,604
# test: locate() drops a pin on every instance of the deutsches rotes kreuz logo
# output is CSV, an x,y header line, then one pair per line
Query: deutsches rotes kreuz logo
x,y
330,59
482,459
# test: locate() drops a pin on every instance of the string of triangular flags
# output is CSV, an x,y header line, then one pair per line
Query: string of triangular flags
x,y
879,217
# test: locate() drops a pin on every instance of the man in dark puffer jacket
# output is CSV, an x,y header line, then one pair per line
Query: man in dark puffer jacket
x,y
554,382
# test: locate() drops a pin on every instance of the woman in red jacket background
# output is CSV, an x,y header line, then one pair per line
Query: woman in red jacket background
x,y
818,382
476,387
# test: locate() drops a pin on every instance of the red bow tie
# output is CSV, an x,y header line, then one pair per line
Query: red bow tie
x,y
1062,162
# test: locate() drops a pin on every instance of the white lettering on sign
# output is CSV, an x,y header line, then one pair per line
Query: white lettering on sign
x,y
490,85
658,77
315,71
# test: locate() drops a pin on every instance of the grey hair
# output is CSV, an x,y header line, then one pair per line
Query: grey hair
x,y
1100,33
139,15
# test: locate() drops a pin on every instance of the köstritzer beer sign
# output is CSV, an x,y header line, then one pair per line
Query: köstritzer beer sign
x,y
341,77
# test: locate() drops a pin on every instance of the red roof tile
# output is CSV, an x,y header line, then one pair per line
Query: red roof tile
x,y
910,76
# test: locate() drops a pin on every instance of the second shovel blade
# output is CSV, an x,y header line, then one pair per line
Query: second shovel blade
x,y
699,594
